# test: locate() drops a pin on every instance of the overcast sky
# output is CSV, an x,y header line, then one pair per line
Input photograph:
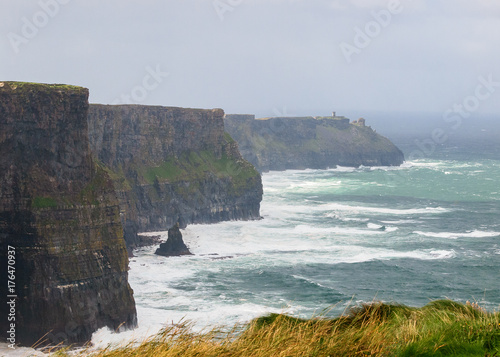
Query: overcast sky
x,y
269,57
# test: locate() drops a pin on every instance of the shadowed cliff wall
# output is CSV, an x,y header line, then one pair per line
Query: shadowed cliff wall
x,y
172,164
60,215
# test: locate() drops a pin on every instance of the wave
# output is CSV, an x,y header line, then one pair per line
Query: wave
x,y
443,254
402,221
381,227
20,351
152,321
451,235
425,164
343,169
387,254
374,226
404,166
345,219
310,281
305,229
311,185
378,210
445,164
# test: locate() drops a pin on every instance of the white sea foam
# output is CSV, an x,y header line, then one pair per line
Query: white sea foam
x,y
19,351
452,235
445,165
309,280
443,254
345,219
343,169
206,315
381,227
382,210
426,164
404,166
315,185
306,229
372,254
402,221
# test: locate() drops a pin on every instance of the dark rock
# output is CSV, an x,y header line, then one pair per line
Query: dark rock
x,y
172,165
60,214
174,246
306,142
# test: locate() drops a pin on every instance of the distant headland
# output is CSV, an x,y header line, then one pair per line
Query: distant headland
x,y
321,142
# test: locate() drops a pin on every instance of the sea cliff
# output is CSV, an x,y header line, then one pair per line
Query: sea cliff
x,y
172,165
283,143
59,221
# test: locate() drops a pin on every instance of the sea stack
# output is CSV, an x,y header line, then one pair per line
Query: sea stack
x,y
174,246
60,227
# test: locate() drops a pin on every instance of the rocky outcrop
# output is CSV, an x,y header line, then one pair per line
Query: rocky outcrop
x,y
172,165
174,246
59,221
307,142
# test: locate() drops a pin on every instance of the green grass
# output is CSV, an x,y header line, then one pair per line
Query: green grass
x,y
43,202
93,191
23,86
228,137
195,166
442,328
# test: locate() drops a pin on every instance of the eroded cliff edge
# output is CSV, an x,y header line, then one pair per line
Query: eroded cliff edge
x,y
60,214
307,142
172,165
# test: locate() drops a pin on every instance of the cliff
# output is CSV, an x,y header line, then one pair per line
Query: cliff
x,y
59,221
172,165
307,142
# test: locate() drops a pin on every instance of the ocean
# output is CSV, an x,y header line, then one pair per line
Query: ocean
x,y
331,239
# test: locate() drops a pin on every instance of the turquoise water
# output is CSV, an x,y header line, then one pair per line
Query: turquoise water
x,y
332,238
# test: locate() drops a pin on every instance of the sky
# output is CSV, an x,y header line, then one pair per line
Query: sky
x,y
264,57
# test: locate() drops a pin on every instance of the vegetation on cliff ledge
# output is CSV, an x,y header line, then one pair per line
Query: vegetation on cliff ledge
x,y
39,87
194,166
441,328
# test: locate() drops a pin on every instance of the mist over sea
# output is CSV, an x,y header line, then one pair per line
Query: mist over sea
x,y
427,230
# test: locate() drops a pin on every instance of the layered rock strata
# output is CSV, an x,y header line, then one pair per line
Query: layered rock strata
x,y
172,165
60,216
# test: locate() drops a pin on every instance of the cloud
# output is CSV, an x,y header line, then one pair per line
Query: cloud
x,y
265,54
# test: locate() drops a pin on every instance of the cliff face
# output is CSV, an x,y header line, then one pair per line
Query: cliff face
x,y
59,214
172,165
317,143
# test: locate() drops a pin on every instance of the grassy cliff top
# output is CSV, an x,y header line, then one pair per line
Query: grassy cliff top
x,y
441,328
118,107
19,87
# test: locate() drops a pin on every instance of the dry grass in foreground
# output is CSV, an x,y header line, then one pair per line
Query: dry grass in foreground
x,y
441,328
